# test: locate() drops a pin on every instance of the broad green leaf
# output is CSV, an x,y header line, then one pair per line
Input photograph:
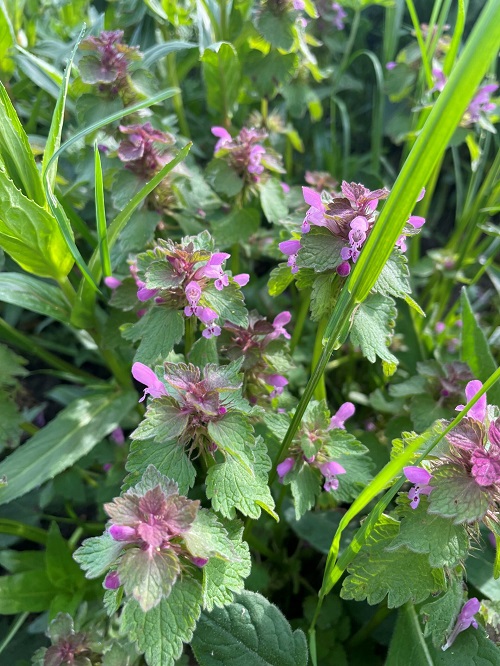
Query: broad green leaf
x,y
249,632
446,544
17,561
223,178
158,331
439,616
160,632
228,304
272,200
222,73
69,436
456,495
475,350
276,28
233,434
237,227
280,278
324,295
163,421
305,484
34,295
207,537
30,235
30,591
148,577
97,554
373,327
203,352
159,51
7,41
394,279
62,570
320,250
222,577
16,153
400,575
169,458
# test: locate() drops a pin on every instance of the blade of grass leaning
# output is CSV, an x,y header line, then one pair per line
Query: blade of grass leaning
x,y
427,150
100,215
54,204
56,125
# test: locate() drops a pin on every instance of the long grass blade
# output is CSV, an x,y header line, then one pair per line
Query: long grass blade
x,y
100,215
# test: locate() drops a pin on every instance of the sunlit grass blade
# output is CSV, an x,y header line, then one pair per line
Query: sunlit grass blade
x,y
100,215
420,40
56,208
54,136
346,133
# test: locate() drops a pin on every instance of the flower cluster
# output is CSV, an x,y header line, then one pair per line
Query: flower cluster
x,y
108,63
349,217
481,105
473,460
68,646
184,275
194,398
255,343
244,153
313,446
139,150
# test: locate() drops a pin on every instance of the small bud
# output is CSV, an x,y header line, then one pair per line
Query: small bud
x,y
122,533
112,581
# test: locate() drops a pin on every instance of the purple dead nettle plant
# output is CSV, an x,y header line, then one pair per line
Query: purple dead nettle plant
x,y
480,108
465,620
107,64
186,276
263,347
349,217
312,460
155,536
463,481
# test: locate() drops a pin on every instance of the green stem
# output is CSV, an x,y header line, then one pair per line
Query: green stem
x,y
189,335
15,528
223,20
305,299
16,625
68,290
235,259
349,46
177,98
421,43
320,390
31,347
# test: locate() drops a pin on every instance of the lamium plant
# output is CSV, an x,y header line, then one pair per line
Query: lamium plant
x,y
249,293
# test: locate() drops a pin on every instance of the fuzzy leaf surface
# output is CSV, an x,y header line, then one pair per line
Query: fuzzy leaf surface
x,y
457,495
158,331
373,326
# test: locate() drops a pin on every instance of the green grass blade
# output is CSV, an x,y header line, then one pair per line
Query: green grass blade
x,y
56,125
100,215
56,208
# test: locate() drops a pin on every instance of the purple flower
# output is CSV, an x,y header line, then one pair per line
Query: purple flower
x,y
241,279
112,282
154,387
139,152
279,382
207,316
223,136
298,5
316,213
330,471
391,65
122,533
284,467
291,248
440,327
478,411
481,104
199,561
439,80
340,15
118,436
420,477
494,432
112,581
344,412
464,621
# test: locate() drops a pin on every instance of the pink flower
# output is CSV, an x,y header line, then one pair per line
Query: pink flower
x,y
291,248
284,467
242,279
420,477
316,213
464,621
154,387
330,471
122,533
344,412
112,581
279,382
223,135
207,316
391,65
118,437
112,282
478,411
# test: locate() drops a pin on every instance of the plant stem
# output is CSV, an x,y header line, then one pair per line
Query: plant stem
x,y
15,528
189,337
320,390
16,625
235,259
305,298
349,46
68,290
177,98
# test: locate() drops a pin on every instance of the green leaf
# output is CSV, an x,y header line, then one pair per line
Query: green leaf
x,y
7,41
34,295
231,486
222,73
446,544
229,303
373,326
163,421
272,200
169,458
158,331
439,616
160,632
305,483
400,575
457,495
221,577
30,235
30,592
424,411
16,153
100,214
475,350
207,537
320,250
69,436
223,178
277,29
324,295
251,632
233,434
203,352
280,278
97,554
237,227
148,577
62,570
394,279
17,561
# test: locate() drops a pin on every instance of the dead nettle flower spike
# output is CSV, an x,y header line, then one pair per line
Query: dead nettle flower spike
x,y
350,216
179,275
194,397
465,620
257,344
108,62
140,151
481,105
68,646
311,445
